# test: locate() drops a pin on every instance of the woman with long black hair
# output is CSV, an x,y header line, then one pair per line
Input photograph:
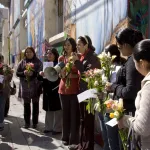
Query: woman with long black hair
x,y
128,79
140,122
88,60
68,96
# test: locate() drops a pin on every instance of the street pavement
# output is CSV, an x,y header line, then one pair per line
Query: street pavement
x,y
15,137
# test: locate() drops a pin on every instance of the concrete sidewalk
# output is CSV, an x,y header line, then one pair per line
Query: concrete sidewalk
x,y
14,137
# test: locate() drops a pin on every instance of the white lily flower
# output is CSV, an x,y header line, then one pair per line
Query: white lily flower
x,y
87,79
97,106
96,83
98,71
120,104
104,79
116,114
108,54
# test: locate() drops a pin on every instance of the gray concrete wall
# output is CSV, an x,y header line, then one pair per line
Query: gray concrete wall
x,y
50,19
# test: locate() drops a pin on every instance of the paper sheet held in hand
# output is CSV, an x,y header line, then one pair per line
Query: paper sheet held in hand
x,y
91,93
112,122
47,64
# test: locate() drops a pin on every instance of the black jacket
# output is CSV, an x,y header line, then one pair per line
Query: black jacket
x,y
90,61
51,101
128,83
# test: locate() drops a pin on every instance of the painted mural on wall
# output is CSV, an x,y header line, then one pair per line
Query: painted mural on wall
x,y
138,12
36,20
98,19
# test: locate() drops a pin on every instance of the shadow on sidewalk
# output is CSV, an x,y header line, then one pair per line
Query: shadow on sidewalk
x,y
5,146
14,133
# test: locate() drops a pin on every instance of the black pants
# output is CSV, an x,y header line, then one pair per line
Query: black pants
x,y
87,129
7,104
27,112
71,117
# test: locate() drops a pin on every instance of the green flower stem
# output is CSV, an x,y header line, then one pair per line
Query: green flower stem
x,y
123,135
28,80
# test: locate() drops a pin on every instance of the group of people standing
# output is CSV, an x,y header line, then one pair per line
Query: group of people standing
x,y
64,113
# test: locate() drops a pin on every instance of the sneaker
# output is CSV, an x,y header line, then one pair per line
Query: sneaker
x,y
1,128
55,133
65,143
34,126
73,147
47,131
26,126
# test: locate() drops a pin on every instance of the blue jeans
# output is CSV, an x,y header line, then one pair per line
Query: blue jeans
x,y
2,109
110,134
104,132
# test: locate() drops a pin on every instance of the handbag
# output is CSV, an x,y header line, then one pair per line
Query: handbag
x,y
13,89
133,140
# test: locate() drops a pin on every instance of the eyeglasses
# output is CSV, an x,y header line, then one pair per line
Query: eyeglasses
x,y
49,53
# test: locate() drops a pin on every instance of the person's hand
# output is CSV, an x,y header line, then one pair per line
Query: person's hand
x,y
62,73
41,73
120,123
74,57
101,95
28,73
108,86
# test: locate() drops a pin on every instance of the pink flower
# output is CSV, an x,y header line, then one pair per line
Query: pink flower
x,y
114,107
32,65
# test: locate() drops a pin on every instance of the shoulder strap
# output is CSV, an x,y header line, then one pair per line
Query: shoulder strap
x,y
133,143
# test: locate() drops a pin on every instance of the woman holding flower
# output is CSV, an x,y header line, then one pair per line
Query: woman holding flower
x,y
68,95
88,60
140,122
127,79
27,71
110,134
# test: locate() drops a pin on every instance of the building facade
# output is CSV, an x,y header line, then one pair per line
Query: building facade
x,y
46,23
101,19
4,21
32,24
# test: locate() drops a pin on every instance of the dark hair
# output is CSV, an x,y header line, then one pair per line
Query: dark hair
x,y
1,57
55,52
142,51
129,36
32,49
88,41
72,42
113,50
